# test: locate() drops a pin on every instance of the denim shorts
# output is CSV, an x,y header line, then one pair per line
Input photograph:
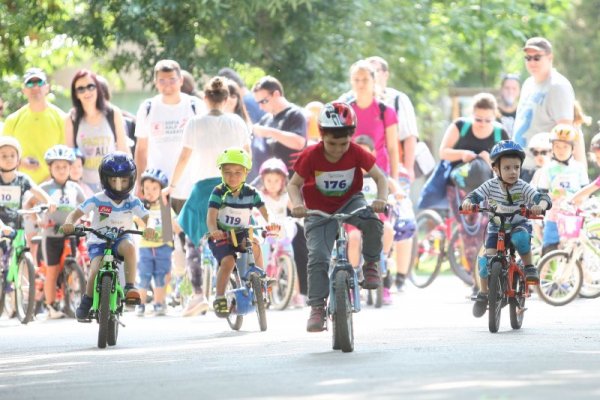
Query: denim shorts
x,y
97,249
154,262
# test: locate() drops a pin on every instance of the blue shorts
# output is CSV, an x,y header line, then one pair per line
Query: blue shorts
x,y
224,248
155,262
97,249
551,235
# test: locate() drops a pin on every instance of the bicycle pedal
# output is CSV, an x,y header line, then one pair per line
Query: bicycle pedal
x,y
84,321
120,323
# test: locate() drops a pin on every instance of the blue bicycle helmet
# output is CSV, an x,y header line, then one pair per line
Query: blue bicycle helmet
x,y
506,148
156,175
121,165
404,229
79,154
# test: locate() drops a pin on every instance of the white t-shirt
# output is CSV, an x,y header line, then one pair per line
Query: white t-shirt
x,y
407,121
95,141
208,136
163,127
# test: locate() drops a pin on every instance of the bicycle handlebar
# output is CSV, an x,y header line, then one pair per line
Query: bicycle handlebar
x,y
522,211
34,210
121,232
343,216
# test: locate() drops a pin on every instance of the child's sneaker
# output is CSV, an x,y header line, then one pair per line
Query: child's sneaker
x,y
316,320
221,307
387,296
83,311
480,306
54,312
160,310
132,295
372,277
195,306
140,310
531,275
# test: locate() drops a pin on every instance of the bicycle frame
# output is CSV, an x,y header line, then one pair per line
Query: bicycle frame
x,y
18,245
509,263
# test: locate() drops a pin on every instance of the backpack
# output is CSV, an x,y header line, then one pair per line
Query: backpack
x,y
109,113
382,108
467,125
148,105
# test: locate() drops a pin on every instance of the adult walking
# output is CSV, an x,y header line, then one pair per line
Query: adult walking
x,y
510,90
547,99
206,137
93,125
38,125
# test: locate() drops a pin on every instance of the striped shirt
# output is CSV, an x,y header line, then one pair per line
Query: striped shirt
x,y
234,211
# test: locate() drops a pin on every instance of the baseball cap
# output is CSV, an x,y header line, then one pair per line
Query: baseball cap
x,y
34,73
539,44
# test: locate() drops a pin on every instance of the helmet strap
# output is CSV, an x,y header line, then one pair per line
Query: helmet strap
x,y
565,162
6,171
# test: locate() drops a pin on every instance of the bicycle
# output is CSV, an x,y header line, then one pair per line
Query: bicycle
x,y
431,247
344,288
17,269
247,290
107,306
70,281
281,270
572,270
507,283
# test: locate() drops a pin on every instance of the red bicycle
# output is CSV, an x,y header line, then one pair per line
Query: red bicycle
x,y
507,283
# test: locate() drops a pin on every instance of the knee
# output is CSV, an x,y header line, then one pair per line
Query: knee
x,y
355,236
522,242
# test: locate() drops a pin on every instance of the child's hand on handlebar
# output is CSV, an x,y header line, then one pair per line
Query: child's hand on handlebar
x,y
273,228
6,230
379,205
299,211
537,209
67,229
149,234
467,205
218,235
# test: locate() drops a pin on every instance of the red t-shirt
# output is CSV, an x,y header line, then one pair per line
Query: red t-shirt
x,y
328,186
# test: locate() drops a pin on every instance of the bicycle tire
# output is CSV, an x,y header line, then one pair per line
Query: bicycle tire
x,y
495,297
457,259
113,327
234,320
560,280
280,293
517,303
259,301
104,310
25,288
428,249
73,286
343,313
590,288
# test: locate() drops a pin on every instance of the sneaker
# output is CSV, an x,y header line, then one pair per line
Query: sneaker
x,y
387,296
480,306
160,310
83,311
298,301
316,320
531,275
221,307
140,310
372,277
132,296
195,306
54,312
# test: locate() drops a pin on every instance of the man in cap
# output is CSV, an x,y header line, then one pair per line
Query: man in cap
x,y
547,98
38,125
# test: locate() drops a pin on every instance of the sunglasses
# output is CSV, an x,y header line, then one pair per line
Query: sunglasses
x,y
536,57
168,81
265,100
30,84
482,120
82,89
539,152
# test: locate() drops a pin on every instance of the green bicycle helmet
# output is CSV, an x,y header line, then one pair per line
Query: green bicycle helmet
x,y
235,155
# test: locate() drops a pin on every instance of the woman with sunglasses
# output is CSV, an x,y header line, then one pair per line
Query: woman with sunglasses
x,y
93,125
465,140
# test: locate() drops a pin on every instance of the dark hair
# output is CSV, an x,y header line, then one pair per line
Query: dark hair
x,y
103,85
268,83
337,133
189,84
231,74
100,101
240,107
365,140
167,66
485,101
216,90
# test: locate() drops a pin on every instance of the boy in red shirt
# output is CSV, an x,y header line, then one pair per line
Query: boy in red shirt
x,y
328,177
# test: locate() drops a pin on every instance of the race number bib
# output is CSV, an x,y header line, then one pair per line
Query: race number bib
x,y
10,196
369,189
234,217
334,183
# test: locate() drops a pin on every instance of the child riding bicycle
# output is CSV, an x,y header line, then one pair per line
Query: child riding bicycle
x,y
506,192
328,177
230,206
114,209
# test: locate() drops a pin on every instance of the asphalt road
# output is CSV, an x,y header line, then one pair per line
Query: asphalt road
x,y
426,345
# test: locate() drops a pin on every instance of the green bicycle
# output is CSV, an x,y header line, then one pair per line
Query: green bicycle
x,y
17,270
107,306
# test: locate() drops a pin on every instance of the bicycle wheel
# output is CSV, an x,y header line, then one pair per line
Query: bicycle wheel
x,y
284,276
561,277
73,282
428,249
517,303
113,327
458,261
495,297
590,288
342,319
234,320
2,288
104,310
261,312
25,288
